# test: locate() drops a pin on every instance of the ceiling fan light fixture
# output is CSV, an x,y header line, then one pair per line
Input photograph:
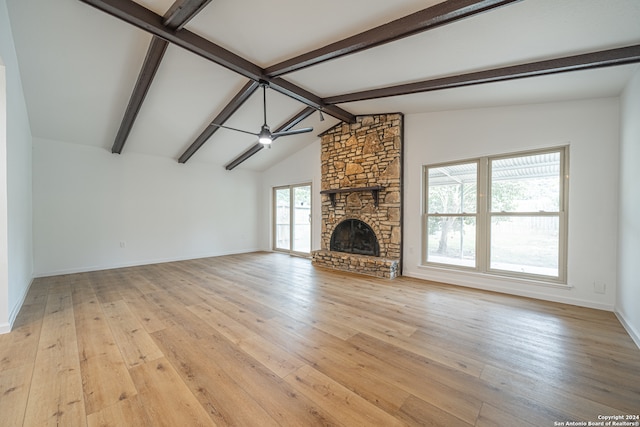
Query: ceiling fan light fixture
x,y
264,137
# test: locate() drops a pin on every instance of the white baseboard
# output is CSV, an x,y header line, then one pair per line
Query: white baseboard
x,y
517,291
5,328
86,269
635,335
16,309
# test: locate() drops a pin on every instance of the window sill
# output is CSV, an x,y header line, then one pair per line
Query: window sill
x,y
496,278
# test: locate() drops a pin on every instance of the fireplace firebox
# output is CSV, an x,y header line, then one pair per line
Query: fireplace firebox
x,y
355,237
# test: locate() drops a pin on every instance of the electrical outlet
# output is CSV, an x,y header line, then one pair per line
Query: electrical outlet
x,y
599,287
123,244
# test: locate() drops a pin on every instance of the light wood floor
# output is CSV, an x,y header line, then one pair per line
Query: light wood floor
x,y
266,339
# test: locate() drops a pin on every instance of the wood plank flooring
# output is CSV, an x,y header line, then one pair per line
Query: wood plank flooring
x,y
265,339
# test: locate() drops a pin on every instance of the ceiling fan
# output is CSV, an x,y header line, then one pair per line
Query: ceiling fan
x,y
265,136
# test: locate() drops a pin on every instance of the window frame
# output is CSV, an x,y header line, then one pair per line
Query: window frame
x,y
484,216
462,214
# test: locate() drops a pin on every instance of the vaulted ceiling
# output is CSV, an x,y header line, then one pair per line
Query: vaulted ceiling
x,y
80,64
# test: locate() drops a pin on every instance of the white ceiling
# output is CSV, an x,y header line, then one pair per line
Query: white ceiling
x,y
79,66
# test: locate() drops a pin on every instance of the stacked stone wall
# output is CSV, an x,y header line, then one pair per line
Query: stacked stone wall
x,y
367,153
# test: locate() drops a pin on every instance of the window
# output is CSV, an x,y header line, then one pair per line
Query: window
x,y
452,214
501,215
292,218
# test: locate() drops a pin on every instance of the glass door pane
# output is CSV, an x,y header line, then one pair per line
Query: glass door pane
x,y
302,219
283,218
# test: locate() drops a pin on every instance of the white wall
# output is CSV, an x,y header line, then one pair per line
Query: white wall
x,y
591,127
301,167
4,245
87,201
16,241
629,228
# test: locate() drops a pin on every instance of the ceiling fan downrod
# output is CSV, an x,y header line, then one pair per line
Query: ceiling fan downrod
x,y
265,136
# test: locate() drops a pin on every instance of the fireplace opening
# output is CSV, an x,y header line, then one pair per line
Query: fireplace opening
x,y
355,237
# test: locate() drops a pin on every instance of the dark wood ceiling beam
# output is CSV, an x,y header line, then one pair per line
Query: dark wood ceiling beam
x,y
145,19
152,60
289,124
240,98
605,58
293,121
304,96
182,11
426,19
177,16
244,156
287,88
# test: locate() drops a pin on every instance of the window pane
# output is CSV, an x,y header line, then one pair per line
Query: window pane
x,y
525,244
302,219
452,240
526,184
453,188
283,219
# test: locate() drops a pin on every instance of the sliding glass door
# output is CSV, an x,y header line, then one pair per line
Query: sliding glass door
x,y
292,219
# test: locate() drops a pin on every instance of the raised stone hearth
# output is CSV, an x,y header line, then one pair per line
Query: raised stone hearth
x,y
363,264
362,181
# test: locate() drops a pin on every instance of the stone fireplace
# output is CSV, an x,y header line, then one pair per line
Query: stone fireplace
x,y
362,196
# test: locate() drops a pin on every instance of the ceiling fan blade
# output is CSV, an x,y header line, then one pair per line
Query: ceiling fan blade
x,y
237,130
291,132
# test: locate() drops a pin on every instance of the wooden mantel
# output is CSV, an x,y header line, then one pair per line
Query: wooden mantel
x,y
375,191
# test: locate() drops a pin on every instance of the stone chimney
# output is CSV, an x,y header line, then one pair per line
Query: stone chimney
x,y
362,179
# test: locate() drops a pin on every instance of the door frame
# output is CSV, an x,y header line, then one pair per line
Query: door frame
x,y
274,233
